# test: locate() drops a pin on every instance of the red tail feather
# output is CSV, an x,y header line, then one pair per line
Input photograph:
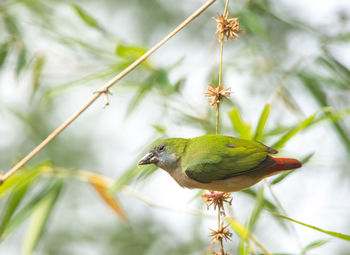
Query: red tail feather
x,y
284,164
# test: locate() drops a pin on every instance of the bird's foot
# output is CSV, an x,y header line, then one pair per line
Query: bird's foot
x,y
217,200
214,194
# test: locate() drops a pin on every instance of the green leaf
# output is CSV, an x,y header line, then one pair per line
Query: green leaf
x,y
339,70
136,100
281,177
292,132
258,206
253,23
10,207
87,18
146,172
160,129
26,210
11,25
332,233
21,178
313,85
254,195
130,52
62,88
242,128
4,49
21,61
39,219
314,245
261,124
267,203
244,233
37,73
243,248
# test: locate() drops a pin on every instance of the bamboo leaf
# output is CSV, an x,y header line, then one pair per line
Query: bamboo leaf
x,y
26,211
332,233
20,179
160,129
242,128
243,232
130,52
254,195
87,18
267,204
4,50
146,172
240,229
11,25
339,70
102,189
321,98
10,207
258,206
314,245
21,61
39,219
138,97
292,132
261,124
37,73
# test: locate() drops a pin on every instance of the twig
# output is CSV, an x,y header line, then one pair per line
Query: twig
x,y
103,90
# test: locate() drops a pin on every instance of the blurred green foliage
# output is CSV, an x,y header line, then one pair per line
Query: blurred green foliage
x,y
274,64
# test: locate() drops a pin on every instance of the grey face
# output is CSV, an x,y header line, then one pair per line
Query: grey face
x,y
153,156
161,157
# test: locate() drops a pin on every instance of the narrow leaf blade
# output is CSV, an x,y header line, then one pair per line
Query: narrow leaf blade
x,y
292,132
102,189
39,219
331,233
261,124
87,18
314,245
242,128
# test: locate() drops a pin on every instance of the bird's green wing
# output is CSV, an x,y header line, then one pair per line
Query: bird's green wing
x,y
211,157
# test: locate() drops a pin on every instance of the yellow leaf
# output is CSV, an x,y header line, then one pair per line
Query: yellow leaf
x,y
101,186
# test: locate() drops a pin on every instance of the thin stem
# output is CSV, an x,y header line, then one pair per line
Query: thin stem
x,y
217,118
226,7
222,46
220,71
220,64
103,90
219,225
220,83
218,110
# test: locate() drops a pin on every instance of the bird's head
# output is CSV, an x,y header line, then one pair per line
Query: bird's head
x,y
165,153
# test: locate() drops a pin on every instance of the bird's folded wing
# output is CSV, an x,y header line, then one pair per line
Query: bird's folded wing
x,y
224,162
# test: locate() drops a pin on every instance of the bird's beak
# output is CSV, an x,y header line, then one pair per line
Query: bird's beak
x,y
149,158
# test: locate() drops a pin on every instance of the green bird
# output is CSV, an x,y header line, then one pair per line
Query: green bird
x,y
215,162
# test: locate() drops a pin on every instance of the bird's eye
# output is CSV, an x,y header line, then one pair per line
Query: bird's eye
x,y
161,148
